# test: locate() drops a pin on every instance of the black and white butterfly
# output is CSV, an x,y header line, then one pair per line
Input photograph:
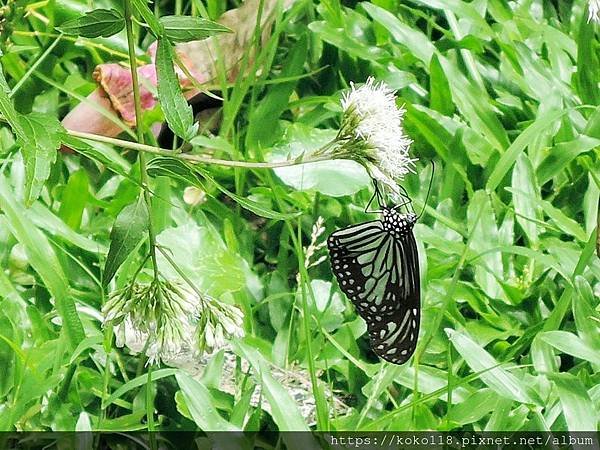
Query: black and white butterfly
x,y
376,264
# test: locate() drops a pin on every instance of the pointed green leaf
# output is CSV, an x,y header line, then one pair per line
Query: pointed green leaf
x,y
527,136
177,111
524,193
129,228
570,344
97,23
42,140
500,380
201,405
44,260
578,409
190,28
440,97
283,409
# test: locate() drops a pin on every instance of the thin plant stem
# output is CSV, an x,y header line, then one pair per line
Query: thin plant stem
x,y
181,273
322,422
145,188
140,132
197,158
34,66
372,397
450,386
87,42
304,284
150,407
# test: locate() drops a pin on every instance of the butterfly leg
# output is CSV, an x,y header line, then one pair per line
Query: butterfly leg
x,y
377,194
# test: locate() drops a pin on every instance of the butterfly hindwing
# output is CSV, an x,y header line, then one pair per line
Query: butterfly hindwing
x,y
394,336
376,265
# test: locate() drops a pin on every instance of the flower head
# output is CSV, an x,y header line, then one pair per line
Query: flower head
x,y
218,321
372,133
166,320
594,11
157,316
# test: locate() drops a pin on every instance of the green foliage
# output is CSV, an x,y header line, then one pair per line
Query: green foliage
x,y
189,28
96,23
503,97
178,113
127,232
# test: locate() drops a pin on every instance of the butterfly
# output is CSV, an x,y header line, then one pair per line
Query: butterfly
x,y
376,264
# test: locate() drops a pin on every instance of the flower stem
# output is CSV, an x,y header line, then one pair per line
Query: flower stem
x,y
140,147
145,185
140,132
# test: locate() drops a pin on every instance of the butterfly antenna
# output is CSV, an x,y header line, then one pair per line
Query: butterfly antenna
x,y
428,189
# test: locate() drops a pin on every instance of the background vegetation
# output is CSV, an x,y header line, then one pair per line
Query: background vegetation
x,y
502,95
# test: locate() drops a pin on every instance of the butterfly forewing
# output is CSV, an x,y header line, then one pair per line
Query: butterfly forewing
x,y
376,265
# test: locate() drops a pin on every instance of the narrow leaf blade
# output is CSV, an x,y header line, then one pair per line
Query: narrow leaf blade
x,y
128,230
177,111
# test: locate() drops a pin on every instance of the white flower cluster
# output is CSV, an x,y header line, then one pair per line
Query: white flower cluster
x,y
218,321
594,11
167,321
372,117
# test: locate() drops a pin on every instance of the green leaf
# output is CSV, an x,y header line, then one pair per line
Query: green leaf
x,y
174,105
571,344
141,6
204,258
251,205
413,39
43,259
7,108
474,408
137,382
339,38
562,154
74,199
283,409
97,23
463,10
45,219
542,356
481,221
190,28
524,193
440,97
586,317
126,422
335,178
42,137
588,63
263,121
532,132
578,409
201,405
130,227
500,380
566,224
475,105
179,169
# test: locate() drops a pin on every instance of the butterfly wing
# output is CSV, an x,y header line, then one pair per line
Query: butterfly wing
x,y
394,335
379,272
353,251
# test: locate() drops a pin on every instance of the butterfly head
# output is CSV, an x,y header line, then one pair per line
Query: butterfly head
x,y
396,222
